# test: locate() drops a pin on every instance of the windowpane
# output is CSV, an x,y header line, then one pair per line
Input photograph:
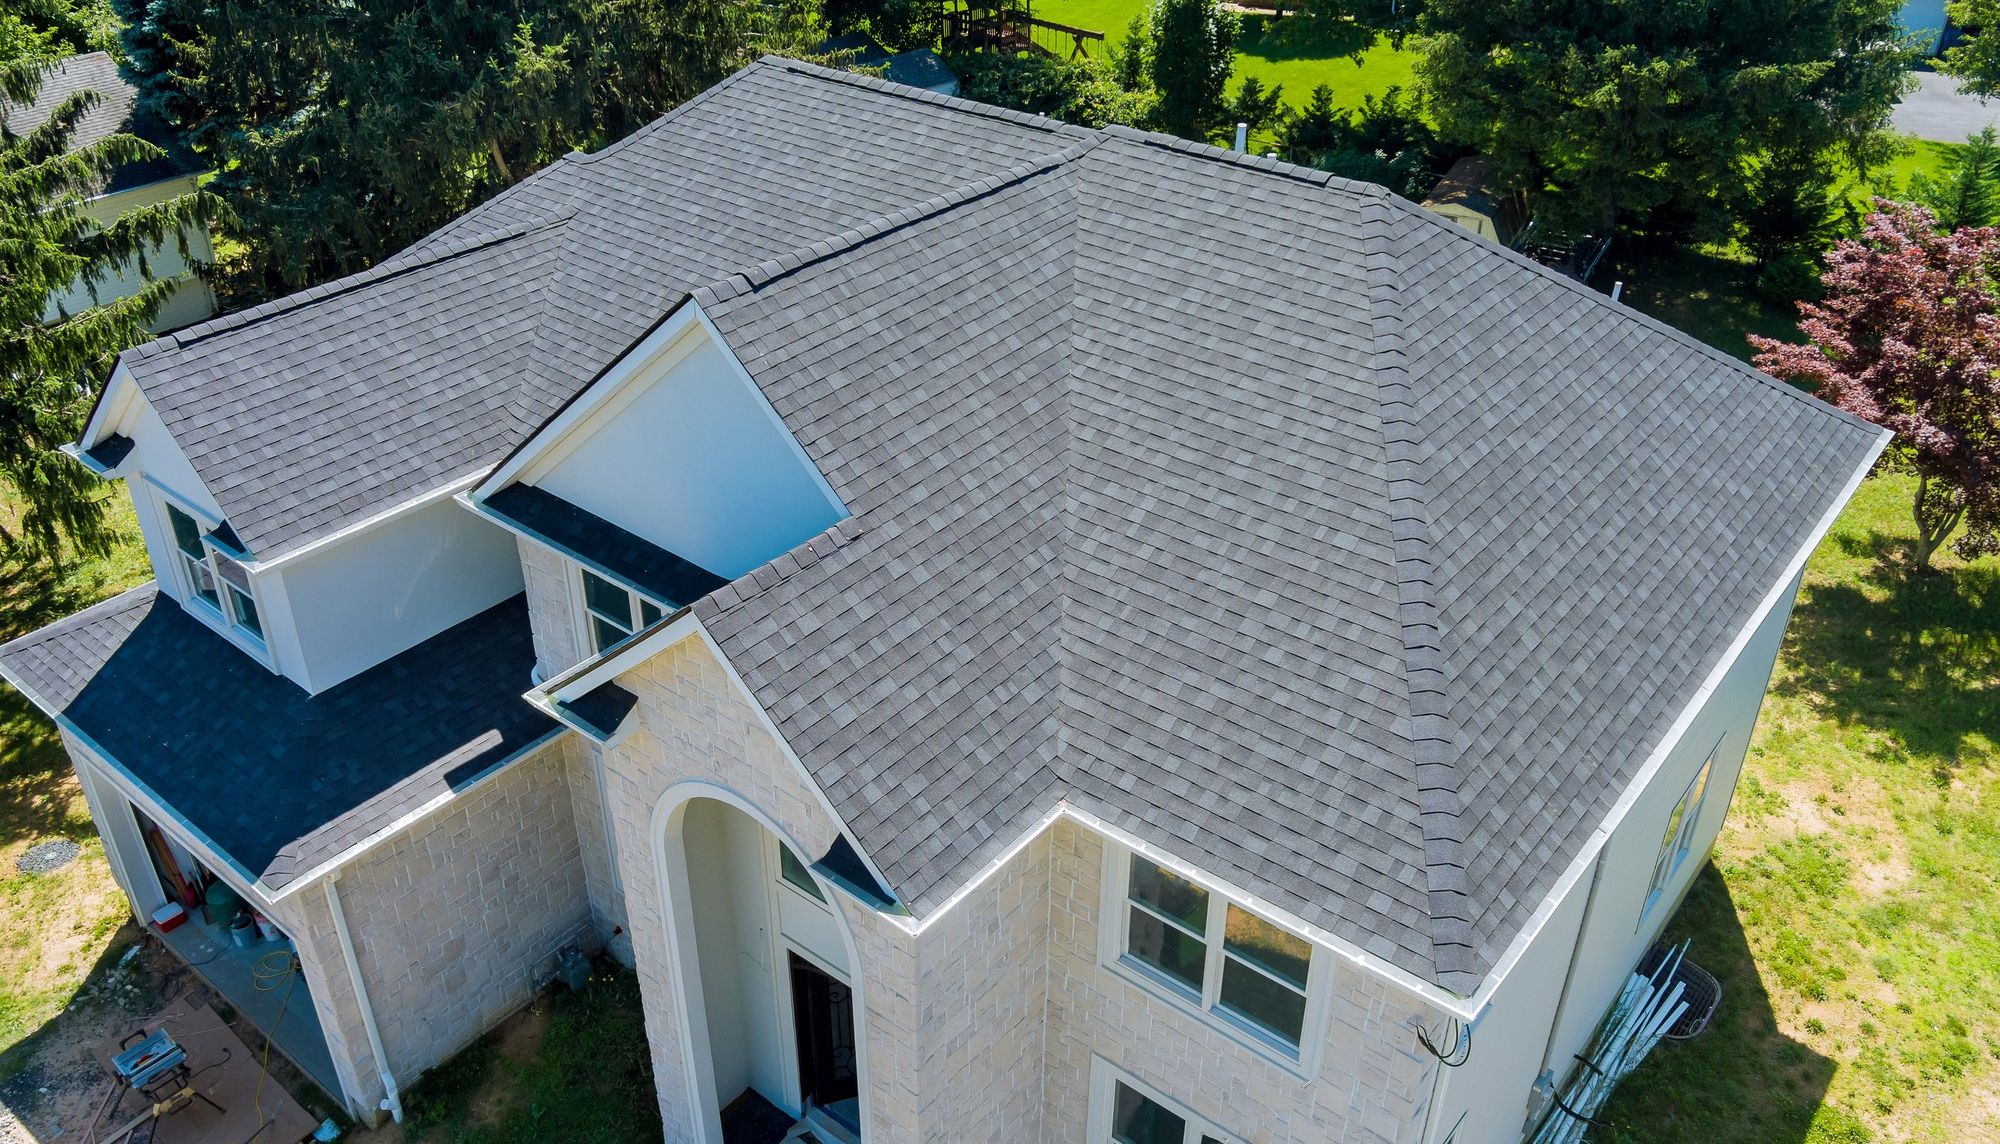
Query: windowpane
x,y
607,634
202,578
1170,894
608,600
1167,949
1253,939
1210,1140
187,534
1251,995
793,870
1137,1120
649,613
245,610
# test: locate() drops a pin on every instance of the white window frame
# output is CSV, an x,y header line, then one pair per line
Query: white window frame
x,y
1105,1078
586,619
221,614
1683,823
1113,929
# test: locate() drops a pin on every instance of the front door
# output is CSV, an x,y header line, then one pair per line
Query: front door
x,y
823,1013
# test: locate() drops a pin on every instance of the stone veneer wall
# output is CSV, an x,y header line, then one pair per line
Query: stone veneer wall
x,y
982,1026
454,922
1373,1083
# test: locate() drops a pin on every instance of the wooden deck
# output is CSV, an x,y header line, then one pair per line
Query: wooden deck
x,y
1006,28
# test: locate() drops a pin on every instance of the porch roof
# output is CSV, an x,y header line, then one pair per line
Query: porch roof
x,y
278,781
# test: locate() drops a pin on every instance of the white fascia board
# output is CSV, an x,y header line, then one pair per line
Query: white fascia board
x,y
411,818
118,391
666,343
394,512
1587,856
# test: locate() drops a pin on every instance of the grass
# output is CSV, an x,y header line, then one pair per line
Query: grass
x,y
1355,60
1853,899
53,927
575,1067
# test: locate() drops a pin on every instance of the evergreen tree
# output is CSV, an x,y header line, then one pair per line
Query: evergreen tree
x,y
1189,58
1255,106
160,40
52,364
1656,107
1967,191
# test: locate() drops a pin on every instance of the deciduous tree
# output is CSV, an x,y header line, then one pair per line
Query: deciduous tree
x,y
1908,337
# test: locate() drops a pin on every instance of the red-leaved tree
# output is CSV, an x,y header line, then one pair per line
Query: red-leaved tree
x,y
1908,337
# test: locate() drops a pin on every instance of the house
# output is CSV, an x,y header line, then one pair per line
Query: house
x,y
1925,21
918,67
129,188
1015,632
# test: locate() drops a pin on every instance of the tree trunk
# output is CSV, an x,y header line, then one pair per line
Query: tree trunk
x,y
1935,524
493,149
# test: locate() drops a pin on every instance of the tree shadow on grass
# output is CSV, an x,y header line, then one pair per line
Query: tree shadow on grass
x,y
1742,1081
1917,656
1304,38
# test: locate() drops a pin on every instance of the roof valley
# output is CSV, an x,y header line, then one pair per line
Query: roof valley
x,y
1433,736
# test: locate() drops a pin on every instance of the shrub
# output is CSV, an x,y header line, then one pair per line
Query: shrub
x,y
1075,91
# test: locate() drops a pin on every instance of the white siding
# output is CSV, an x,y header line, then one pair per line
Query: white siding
x,y
697,464
192,300
355,603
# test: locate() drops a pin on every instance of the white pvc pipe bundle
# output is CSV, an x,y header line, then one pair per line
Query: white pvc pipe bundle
x,y
1646,1009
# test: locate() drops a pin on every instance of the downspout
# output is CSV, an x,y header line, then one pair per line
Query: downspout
x,y
394,1099
1548,1076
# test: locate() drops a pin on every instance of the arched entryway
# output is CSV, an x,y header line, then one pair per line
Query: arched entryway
x,y
764,965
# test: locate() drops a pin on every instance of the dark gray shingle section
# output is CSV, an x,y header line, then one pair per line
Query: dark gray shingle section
x,y
323,409
279,779
669,579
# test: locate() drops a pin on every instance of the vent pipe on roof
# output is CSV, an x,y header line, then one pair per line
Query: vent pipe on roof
x,y
1242,138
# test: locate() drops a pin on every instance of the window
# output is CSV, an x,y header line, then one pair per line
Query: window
x,y
615,612
1124,1112
194,556
213,578
792,869
1215,953
1679,839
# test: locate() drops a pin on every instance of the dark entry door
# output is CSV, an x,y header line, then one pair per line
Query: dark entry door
x,y
823,1011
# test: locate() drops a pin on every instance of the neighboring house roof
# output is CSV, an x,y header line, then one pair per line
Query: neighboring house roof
x,y
92,71
278,780
918,67
315,412
1343,554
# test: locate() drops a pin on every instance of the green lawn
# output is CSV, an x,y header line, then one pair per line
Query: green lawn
x,y
1275,51
1854,899
53,927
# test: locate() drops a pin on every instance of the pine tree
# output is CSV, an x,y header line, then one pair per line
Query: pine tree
x,y
1192,52
160,40
1967,191
51,365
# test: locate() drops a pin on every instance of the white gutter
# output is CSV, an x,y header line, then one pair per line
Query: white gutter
x,y
367,524
394,1100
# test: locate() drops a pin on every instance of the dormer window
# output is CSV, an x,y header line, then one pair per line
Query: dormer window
x,y
215,579
615,612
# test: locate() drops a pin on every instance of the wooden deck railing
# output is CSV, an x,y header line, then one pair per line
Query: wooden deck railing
x,y
1002,28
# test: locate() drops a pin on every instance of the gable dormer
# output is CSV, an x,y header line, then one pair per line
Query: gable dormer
x,y
320,614
667,477
676,445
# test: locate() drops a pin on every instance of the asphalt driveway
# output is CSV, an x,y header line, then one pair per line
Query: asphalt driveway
x,y
1939,110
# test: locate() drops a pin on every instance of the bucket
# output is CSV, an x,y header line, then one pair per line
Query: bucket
x,y
268,929
243,932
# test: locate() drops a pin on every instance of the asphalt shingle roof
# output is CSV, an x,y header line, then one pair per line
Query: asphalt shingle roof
x,y
1258,512
281,780
1242,506
98,72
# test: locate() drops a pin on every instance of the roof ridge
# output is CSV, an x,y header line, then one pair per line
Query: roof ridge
x,y
669,116
1262,163
1433,731
773,269
387,270
1686,340
921,95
